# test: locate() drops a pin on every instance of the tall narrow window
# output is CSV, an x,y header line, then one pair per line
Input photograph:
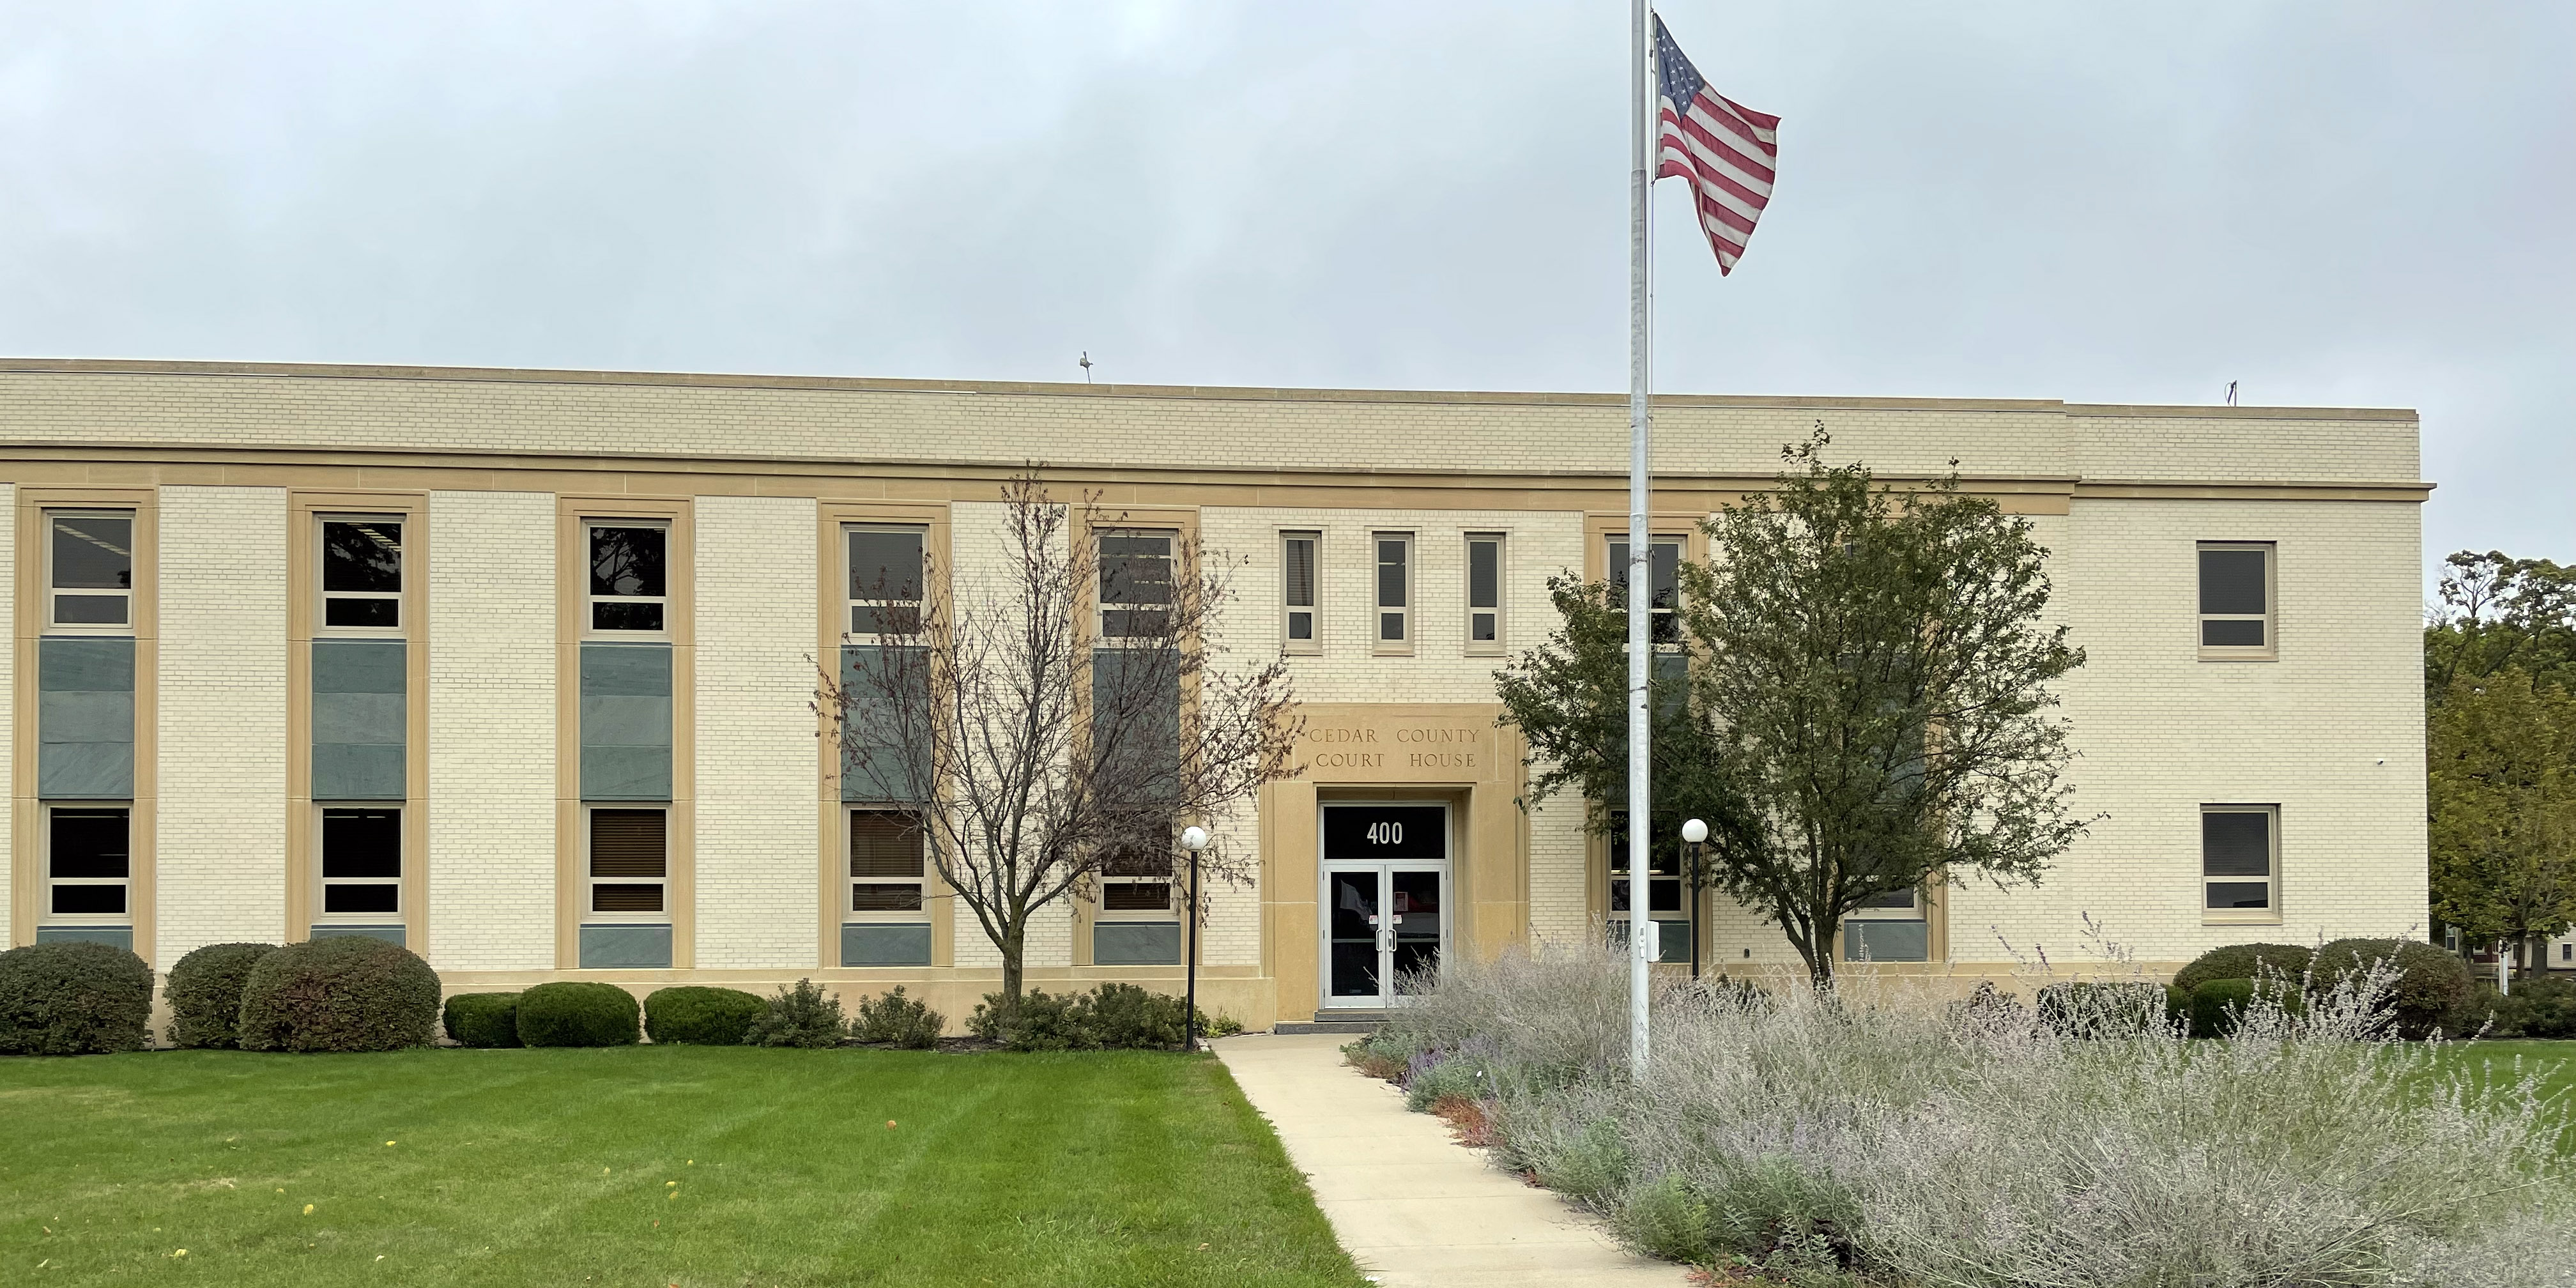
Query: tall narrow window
x,y
362,574
88,863
1135,583
361,862
1663,894
1484,592
1664,587
1297,580
1394,588
89,573
885,581
629,583
2240,861
629,861
2236,599
886,860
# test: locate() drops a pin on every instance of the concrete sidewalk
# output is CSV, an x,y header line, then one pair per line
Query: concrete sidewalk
x,y
1413,1207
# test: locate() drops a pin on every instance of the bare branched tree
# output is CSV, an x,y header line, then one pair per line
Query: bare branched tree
x,y
1059,714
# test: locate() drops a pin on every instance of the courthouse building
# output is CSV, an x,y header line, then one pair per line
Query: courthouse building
x,y
514,667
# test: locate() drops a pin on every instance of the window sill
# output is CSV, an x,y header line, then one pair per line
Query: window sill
x,y
2264,918
2239,655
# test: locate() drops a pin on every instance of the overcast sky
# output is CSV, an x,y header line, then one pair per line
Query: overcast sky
x,y
2332,203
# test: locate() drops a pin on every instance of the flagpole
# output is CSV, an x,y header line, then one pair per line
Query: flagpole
x,y
1640,550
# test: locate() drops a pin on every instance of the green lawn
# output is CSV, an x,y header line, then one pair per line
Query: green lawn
x,y
2555,1062
558,1167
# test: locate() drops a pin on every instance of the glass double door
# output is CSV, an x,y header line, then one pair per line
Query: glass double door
x,y
1386,901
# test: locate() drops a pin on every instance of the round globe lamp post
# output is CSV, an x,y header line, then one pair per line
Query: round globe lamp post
x,y
1194,839
1693,833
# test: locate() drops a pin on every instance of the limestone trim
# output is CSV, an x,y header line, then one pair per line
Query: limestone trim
x,y
26,815
572,614
305,511
831,619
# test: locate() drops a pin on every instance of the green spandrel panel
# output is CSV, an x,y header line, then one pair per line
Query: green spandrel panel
x,y
638,670
885,944
626,773
358,666
359,772
625,947
85,719
626,718
1136,943
390,934
1886,941
873,765
112,936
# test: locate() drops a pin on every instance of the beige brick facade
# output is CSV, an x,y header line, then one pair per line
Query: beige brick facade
x,y
755,840
2329,731
220,826
491,731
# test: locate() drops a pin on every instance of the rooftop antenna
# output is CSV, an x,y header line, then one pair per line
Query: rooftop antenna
x,y
2231,393
1085,364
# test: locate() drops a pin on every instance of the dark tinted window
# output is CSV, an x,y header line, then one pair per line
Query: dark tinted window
x,y
2231,581
1484,574
885,565
88,845
361,843
1390,575
92,553
627,561
2236,844
362,556
1301,572
627,843
1135,569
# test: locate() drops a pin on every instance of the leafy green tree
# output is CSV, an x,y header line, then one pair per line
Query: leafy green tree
x,y
2501,752
2493,612
1876,669
1569,698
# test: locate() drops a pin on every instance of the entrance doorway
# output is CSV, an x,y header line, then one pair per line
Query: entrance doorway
x,y
1386,901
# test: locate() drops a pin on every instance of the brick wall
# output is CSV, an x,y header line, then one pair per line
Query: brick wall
x,y
220,837
491,731
755,576
9,705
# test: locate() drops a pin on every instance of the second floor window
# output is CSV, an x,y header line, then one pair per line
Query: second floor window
x,y
629,583
1664,587
89,574
885,581
1297,580
1394,588
2236,599
362,573
1135,583
1484,592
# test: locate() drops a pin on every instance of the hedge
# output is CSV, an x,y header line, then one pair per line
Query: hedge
x,y
2429,985
205,993
483,1019
803,1016
705,1016
2245,961
73,998
2217,1006
897,1020
348,993
2537,1008
577,1014
1117,1016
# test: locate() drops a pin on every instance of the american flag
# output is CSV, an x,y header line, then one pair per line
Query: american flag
x,y
1725,149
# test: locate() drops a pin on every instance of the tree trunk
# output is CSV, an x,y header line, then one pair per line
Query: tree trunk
x,y
1818,952
1014,940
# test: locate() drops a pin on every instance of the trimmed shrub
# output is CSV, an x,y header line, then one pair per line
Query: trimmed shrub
x,y
205,993
803,1016
899,1020
577,1013
2245,961
2427,986
2218,1005
1038,1021
2090,1009
73,999
483,1019
705,1016
1124,1017
350,993
2537,1008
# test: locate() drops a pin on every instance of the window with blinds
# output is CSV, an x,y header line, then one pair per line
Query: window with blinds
x,y
1297,598
886,858
1137,878
629,860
